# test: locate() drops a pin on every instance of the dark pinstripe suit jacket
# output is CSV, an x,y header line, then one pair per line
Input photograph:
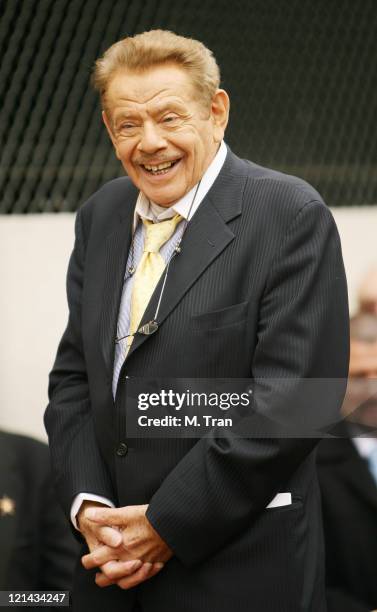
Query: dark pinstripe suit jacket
x,y
258,291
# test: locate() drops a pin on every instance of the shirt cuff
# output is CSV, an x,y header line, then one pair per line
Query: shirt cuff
x,y
80,498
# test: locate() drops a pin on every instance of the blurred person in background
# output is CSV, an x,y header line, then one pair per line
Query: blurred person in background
x,y
347,468
38,551
368,292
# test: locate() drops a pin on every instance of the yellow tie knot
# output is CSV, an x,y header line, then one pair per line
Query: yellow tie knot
x,y
156,234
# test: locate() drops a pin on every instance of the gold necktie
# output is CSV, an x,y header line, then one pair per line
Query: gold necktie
x,y
150,268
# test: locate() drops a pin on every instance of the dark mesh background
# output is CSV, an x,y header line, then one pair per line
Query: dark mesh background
x,y
301,75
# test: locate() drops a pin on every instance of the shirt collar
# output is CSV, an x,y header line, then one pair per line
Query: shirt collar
x,y
182,207
365,446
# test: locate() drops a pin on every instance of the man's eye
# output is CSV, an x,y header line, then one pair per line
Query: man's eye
x,y
169,118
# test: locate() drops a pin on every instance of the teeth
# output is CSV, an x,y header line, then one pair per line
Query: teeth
x,y
159,167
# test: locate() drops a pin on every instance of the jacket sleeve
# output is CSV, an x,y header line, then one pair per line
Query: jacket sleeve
x,y
225,481
58,549
76,460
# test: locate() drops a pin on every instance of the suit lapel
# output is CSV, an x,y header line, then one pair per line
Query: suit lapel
x,y
206,236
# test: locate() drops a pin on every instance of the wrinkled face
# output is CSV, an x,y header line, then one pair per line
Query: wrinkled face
x,y
164,137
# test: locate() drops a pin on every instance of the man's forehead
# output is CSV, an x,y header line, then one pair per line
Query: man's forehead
x,y
159,102
155,86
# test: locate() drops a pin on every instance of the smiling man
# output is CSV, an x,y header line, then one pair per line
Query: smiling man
x,y
197,265
163,134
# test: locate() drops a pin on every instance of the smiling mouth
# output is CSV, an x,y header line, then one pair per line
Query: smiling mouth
x,y
162,168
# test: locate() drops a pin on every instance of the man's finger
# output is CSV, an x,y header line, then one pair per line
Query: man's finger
x,y
115,570
99,556
103,581
107,516
111,537
144,573
136,578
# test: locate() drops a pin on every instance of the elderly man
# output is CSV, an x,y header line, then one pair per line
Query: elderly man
x,y
198,264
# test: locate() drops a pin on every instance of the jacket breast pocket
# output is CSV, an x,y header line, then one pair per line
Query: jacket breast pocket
x,y
218,319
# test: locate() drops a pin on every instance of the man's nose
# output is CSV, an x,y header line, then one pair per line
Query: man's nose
x,y
152,139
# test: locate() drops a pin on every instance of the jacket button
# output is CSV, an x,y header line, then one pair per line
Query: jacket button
x,y
122,449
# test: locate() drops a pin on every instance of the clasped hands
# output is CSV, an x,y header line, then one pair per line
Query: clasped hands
x,y
122,544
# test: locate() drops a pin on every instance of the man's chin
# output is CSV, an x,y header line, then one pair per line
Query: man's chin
x,y
162,197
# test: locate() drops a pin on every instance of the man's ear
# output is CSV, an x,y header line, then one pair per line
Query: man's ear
x,y
220,113
108,125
